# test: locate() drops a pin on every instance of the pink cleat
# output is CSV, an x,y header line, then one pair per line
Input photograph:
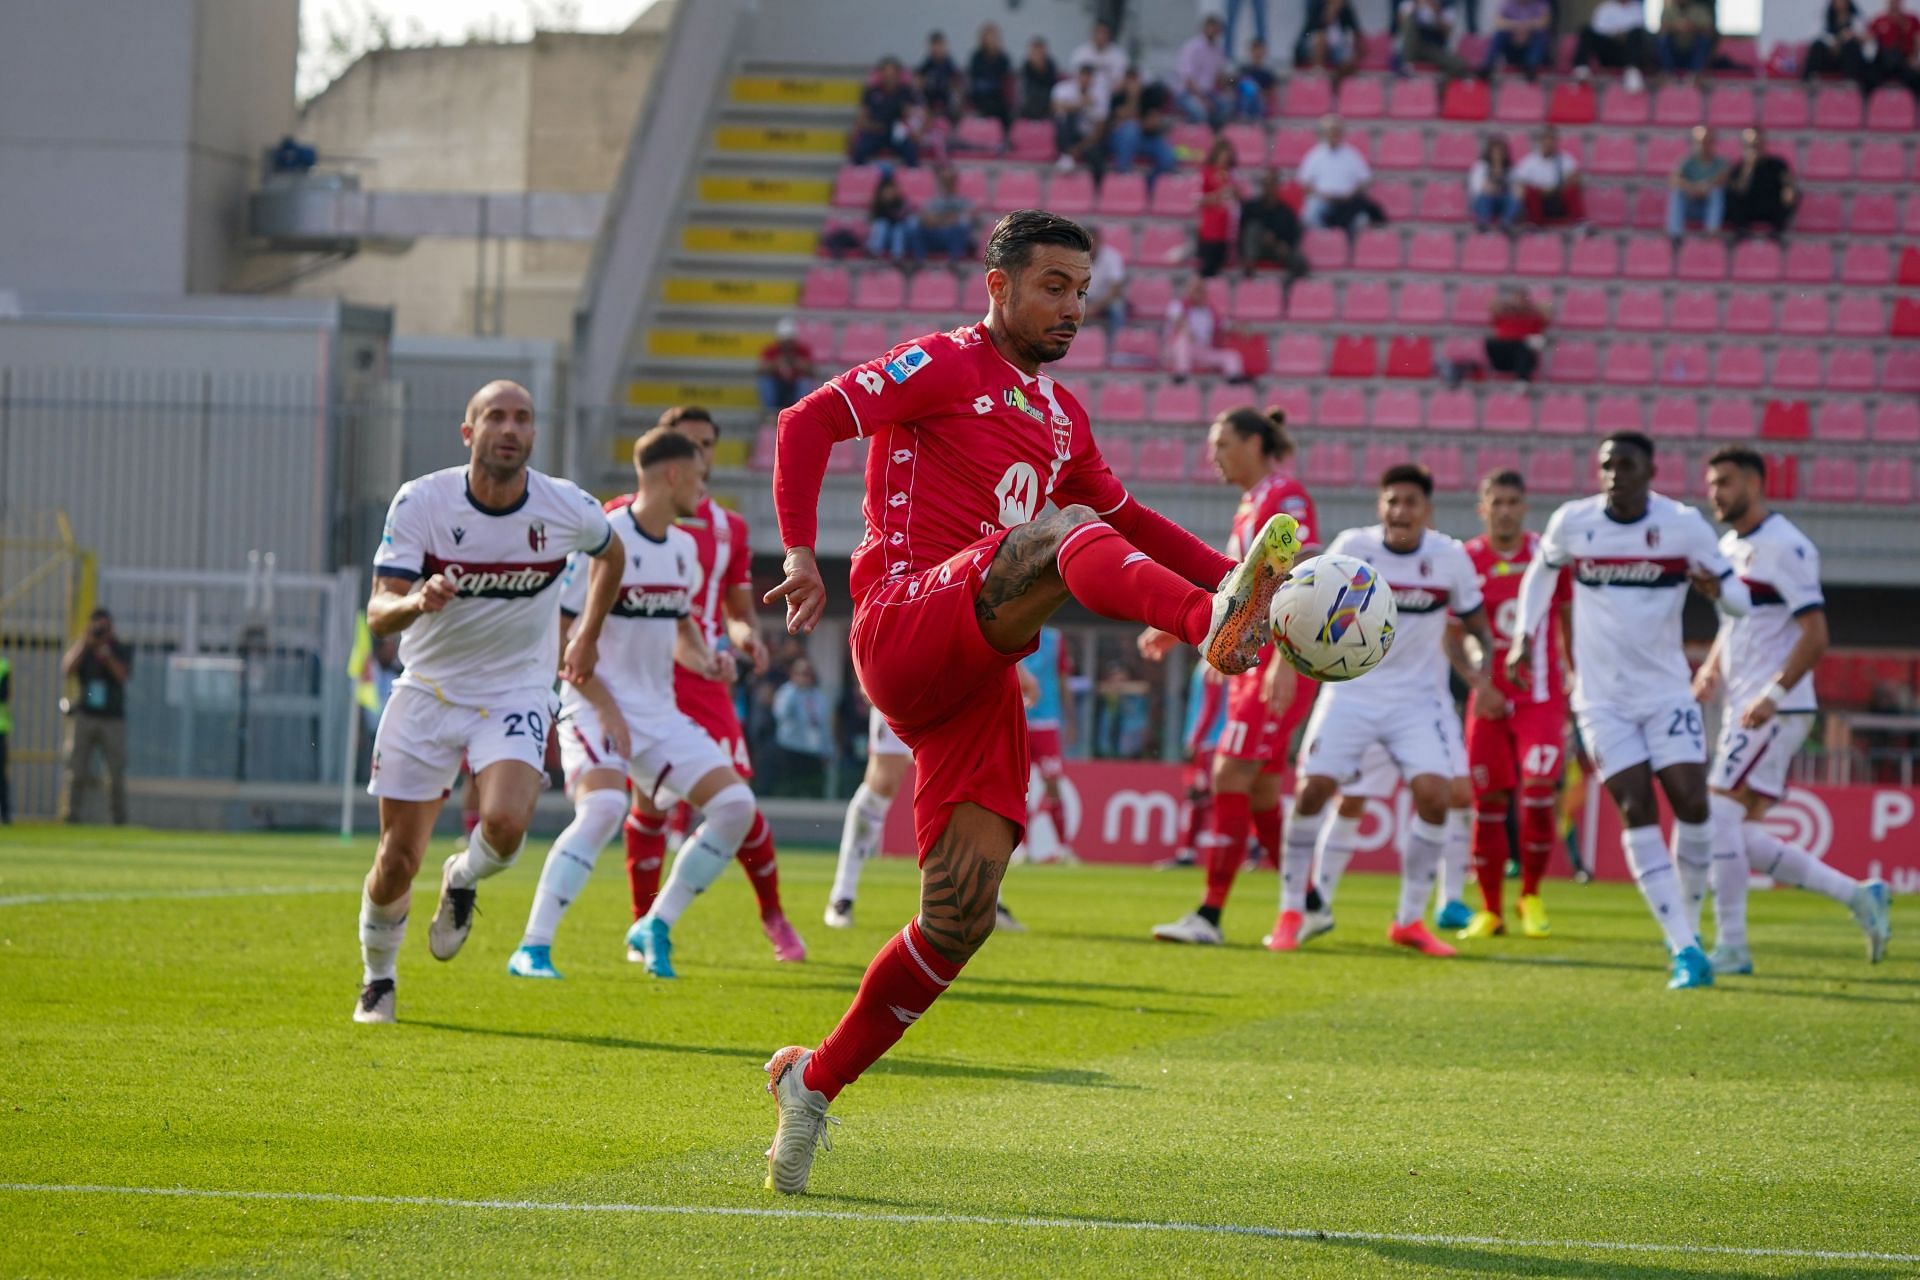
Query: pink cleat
x,y
1415,935
787,947
1286,932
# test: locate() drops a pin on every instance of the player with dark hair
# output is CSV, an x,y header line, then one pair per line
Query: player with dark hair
x,y
959,569
1633,554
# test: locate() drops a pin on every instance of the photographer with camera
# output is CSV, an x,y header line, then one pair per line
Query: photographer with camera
x,y
97,718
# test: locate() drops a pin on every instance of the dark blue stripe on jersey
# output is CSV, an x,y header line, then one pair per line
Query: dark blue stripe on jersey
x,y
1818,606
1763,592
394,571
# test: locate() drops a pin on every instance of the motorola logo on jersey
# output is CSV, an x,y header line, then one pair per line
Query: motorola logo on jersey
x,y
497,581
1018,493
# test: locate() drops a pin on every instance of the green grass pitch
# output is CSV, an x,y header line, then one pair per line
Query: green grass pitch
x,y
1079,1091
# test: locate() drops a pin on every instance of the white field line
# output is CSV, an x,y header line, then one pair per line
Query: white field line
x,y
962,1219
155,895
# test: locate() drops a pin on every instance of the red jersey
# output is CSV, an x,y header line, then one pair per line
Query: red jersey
x,y
1899,32
1273,494
1216,219
1500,589
962,445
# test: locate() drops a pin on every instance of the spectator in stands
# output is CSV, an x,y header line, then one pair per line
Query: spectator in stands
x,y
1038,75
1193,330
1137,125
802,730
100,662
1519,333
1203,77
1259,10
1254,82
1549,182
1109,60
1079,117
1122,714
1896,39
1616,37
1270,232
1425,37
1761,192
946,221
1218,200
885,120
1491,197
1330,37
1687,37
1522,35
1107,286
894,232
1841,45
1335,176
989,72
938,78
786,367
1697,188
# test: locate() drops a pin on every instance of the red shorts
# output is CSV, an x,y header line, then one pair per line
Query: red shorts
x,y
1527,746
953,698
1048,752
1251,731
709,704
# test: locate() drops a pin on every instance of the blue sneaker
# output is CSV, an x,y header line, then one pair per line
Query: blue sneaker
x,y
1691,968
1869,905
532,962
653,939
1731,959
1455,915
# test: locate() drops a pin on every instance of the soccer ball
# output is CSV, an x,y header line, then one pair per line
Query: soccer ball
x,y
1333,618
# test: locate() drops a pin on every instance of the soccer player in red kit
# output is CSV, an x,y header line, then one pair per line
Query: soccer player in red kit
x,y
960,567
1525,749
1250,450
723,603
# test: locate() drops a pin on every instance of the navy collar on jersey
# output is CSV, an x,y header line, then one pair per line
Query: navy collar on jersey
x,y
1607,511
466,483
634,517
1417,548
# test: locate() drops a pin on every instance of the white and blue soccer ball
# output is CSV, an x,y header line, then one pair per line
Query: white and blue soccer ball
x,y
1333,618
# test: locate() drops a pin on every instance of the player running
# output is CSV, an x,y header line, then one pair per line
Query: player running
x,y
1049,725
466,573
959,569
1633,554
1765,663
723,605
1526,748
1250,451
1404,705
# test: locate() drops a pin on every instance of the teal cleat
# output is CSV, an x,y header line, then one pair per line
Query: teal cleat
x,y
1455,915
532,962
653,939
1731,959
1691,968
1872,910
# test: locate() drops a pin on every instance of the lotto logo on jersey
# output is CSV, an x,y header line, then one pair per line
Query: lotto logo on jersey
x,y
907,363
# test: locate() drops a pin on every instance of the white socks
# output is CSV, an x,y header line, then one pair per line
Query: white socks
x,y
1453,856
1419,861
1332,852
1789,864
859,840
1693,855
1296,858
729,816
1729,874
596,816
481,860
1653,872
381,931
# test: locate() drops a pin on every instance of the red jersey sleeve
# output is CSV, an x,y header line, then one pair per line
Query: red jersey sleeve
x,y
740,563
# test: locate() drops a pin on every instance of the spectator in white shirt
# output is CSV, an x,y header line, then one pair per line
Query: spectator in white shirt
x,y
1549,182
1109,59
1107,286
1202,82
1079,110
1192,330
1335,176
1616,37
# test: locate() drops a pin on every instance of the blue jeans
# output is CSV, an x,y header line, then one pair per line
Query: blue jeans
x,y
1528,51
956,241
775,392
1114,318
1706,210
871,142
1694,58
1204,108
1258,8
889,239
1126,141
1488,210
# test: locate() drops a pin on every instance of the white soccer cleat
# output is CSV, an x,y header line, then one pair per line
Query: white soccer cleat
x,y
802,1125
839,914
1192,928
453,918
1240,628
1314,923
376,1002
1004,920
1872,910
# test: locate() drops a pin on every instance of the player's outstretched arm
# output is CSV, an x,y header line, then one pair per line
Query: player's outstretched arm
x,y
806,435
397,603
603,588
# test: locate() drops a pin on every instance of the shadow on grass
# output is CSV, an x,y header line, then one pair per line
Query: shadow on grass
x,y
1486,1260
1737,986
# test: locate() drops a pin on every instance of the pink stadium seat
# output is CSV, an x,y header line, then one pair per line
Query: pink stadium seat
x,y
1376,458
1257,299
1398,148
1442,200
1698,311
1122,195
1341,408
1137,347
1629,364
1890,110
979,133
971,182
1472,301
1897,421
1889,480
935,289
1730,107
1149,296
1903,371
1032,140
1663,152
1910,218
1573,362
765,447
1310,302
1177,403
854,185
1016,188
1176,195
1642,311
1510,411
1831,160
1649,211
1518,102
1860,315
1308,96
1362,98
1607,205
1354,356
1647,258
1840,420
1452,411
1421,302
1541,256
1594,258
821,336
1783,108
1290,146
1488,459
1163,460
1367,302
1805,314
1675,418
1415,98
1071,192
1550,471
1089,351
1121,400
1326,249
1679,105
1572,102
1683,364
1866,262
1618,413
1883,161
1739,365
826,289
1225,397
1618,107
1191,139
1582,307
915,184
1797,368
1299,355
1466,100
1808,262
1701,259
1163,243
1836,107
1396,409
1295,398
1395,198
1820,212
1489,254
1249,143
1448,466
1455,153
1834,480
973,293
1852,369
865,339
1874,213
1376,250
1122,456
1729,419
1408,356
1563,413
1614,153
1328,465
1759,260
880,289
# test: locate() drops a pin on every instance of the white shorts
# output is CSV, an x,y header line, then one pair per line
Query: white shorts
x,y
881,739
421,740
1757,759
1343,737
1617,739
670,753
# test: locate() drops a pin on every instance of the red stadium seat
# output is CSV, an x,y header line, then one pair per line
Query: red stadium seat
x,y
1397,409
1225,397
1797,368
1447,465
1341,408
1290,146
1407,357
1834,480
973,293
1648,258
1177,403
1299,355
1122,457
1783,108
1618,413
1550,471
1563,413
1830,160
1808,262
1759,260
1874,213
1583,307
1785,420
1541,256
1910,218
1906,318
1032,140
1859,315
1176,195
1414,98
1836,108
1472,303
1684,364
1897,422
1889,480
1618,107
854,186
1488,254
1454,153
1629,364
1882,161
1509,411
1572,102
880,289
1354,356
915,184
821,336
1729,419
1607,205
1149,296
1840,420
1295,399
1909,266
1071,193
1399,149
1866,262
1573,362
1328,465
1431,251
1466,99
1890,110
1594,258
1820,211
1730,107
1163,460
1306,96
1675,418
1395,198
1663,153
1739,365
1362,98
865,339
1123,195
1366,302
1642,311
1163,244
1310,302
935,289
1016,188
1452,411
1136,347
1420,302
1698,311
1376,250
1492,458
979,133
1520,103
826,289
1805,314
1249,142
1326,249
1852,369
1088,352
1376,458
1614,153
1121,400
1678,104
1257,299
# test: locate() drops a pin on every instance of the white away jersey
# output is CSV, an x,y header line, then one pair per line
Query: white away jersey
x,y
1782,571
1629,587
636,645
1431,581
501,632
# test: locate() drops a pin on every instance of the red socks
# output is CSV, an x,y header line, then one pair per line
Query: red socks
x,y
1056,814
1266,829
756,859
1116,580
1226,845
1538,831
646,839
901,984
1490,849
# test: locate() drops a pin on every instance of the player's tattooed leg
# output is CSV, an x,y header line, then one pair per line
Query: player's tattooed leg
x,y
960,881
1023,586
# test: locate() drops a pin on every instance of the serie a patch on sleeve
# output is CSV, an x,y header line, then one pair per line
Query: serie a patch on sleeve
x,y
908,363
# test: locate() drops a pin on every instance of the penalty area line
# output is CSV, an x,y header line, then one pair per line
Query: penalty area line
x,y
1307,1234
157,895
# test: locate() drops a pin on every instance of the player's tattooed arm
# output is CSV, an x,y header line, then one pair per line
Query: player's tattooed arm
x,y
960,892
